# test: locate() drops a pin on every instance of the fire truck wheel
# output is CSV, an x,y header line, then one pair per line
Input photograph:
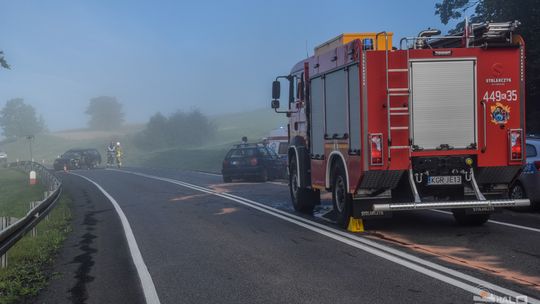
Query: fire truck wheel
x,y
341,199
469,219
227,179
302,198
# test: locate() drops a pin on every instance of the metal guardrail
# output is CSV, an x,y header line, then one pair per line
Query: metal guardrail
x,y
15,231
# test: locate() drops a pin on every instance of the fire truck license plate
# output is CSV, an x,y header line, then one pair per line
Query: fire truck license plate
x,y
444,180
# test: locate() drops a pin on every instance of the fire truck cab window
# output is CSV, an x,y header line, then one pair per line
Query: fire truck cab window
x,y
354,108
336,104
293,89
317,116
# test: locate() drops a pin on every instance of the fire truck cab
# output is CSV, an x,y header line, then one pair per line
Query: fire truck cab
x,y
437,124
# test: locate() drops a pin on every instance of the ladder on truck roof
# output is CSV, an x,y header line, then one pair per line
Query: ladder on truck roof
x,y
395,92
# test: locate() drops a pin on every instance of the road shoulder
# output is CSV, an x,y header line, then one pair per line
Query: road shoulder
x,y
94,265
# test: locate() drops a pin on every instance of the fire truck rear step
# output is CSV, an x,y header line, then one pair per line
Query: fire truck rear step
x,y
505,203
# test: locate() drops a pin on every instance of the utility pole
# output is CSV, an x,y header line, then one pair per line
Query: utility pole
x,y
30,139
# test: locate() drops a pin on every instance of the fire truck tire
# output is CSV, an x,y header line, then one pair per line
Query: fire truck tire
x,y
227,179
302,198
341,199
469,219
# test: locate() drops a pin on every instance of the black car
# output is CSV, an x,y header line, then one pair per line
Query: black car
x,y
77,159
252,161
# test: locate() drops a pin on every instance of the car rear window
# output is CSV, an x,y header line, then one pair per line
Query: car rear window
x,y
283,148
71,155
531,151
239,153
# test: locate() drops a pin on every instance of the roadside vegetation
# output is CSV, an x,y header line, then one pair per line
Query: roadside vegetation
x,y
30,259
16,193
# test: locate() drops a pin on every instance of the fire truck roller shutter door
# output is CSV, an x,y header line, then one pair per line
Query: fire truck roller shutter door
x,y
336,104
317,116
443,103
354,109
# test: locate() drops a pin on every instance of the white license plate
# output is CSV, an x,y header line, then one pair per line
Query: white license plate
x,y
444,180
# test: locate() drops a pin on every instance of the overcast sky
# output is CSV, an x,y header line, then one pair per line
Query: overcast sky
x,y
217,56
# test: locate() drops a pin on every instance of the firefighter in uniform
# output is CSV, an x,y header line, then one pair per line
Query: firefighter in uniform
x,y
119,154
111,154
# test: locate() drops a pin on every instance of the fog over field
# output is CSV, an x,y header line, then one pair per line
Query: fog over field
x,y
163,56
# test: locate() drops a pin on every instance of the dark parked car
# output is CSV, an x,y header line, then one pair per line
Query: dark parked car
x,y
252,161
528,183
77,159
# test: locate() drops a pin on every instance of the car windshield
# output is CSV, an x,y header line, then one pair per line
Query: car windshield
x,y
244,152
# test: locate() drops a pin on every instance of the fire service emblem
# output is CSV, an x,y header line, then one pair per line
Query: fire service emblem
x,y
500,114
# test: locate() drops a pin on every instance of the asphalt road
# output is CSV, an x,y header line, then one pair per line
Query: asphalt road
x,y
192,239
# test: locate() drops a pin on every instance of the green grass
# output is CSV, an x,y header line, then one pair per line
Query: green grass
x,y
16,193
30,259
204,159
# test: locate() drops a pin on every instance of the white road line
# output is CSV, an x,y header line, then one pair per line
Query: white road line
x,y
149,289
385,252
207,173
497,222
278,183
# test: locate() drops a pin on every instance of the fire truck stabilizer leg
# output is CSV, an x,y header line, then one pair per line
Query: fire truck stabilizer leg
x,y
355,225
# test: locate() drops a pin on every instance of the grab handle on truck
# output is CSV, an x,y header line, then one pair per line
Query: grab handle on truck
x,y
485,126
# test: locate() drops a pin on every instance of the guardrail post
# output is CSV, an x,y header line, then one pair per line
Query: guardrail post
x,y
34,230
3,224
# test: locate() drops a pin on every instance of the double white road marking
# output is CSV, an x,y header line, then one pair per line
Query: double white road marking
x,y
444,274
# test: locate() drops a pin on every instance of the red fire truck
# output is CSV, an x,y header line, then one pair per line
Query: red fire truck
x,y
437,124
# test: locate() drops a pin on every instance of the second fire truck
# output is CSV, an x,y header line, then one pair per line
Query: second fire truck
x,y
436,124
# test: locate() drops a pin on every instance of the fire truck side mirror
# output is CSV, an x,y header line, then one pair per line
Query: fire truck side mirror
x,y
275,104
276,90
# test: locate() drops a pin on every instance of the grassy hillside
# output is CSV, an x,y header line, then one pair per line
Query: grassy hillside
x,y
230,129
254,124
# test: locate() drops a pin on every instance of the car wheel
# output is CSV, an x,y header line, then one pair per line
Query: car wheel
x,y
263,177
301,197
517,191
341,199
227,179
464,219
